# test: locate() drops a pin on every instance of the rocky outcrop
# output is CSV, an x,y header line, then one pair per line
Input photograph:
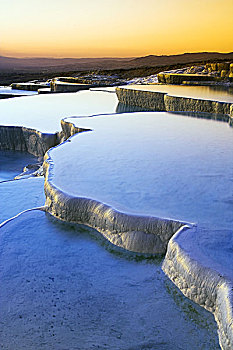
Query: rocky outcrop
x,y
146,100
157,101
18,138
60,86
29,86
211,72
231,116
222,69
175,103
202,282
29,140
69,129
173,78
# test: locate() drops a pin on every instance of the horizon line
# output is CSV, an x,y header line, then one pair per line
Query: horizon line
x,y
114,57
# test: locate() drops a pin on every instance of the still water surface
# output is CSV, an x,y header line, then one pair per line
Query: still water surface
x,y
63,287
152,163
215,93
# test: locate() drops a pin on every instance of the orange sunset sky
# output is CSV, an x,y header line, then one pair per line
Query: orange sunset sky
x,y
114,28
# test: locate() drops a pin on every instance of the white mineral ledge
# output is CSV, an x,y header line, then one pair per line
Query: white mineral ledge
x,y
199,261
196,92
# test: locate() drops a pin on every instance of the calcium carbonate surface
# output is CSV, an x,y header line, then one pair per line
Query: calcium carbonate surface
x,y
152,163
214,93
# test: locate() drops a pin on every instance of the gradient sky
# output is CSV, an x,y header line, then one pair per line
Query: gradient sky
x,y
114,28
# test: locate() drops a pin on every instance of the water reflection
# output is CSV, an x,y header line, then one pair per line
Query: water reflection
x,y
160,164
215,93
123,108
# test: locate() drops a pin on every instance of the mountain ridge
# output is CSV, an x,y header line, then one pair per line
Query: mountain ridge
x,y
9,63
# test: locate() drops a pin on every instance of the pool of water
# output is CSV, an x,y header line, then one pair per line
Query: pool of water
x,y
13,162
6,90
44,112
152,163
215,93
63,287
22,194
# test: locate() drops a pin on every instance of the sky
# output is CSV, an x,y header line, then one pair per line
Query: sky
x,y
114,28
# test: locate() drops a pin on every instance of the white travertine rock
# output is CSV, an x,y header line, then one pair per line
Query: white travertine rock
x,y
176,98
199,263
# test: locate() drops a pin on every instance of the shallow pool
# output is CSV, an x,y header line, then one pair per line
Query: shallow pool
x,y
153,163
13,162
215,93
44,112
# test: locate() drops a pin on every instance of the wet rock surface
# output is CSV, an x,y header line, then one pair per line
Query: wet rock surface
x,y
199,266
26,140
167,101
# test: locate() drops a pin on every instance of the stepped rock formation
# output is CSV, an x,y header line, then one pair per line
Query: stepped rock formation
x,y
209,287
159,101
203,275
28,140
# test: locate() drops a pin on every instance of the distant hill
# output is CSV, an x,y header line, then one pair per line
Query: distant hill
x,y
153,60
8,63
79,64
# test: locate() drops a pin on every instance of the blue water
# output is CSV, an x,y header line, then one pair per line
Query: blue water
x,y
63,287
152,163
13,162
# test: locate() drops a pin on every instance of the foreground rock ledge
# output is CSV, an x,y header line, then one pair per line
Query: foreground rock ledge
x,y
19,138
202,279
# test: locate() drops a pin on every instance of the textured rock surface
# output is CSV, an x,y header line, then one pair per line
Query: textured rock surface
x,y
69,129
29,86
211,72
149,101
199,268
57,86
25,139
172,78
174,103
163,102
